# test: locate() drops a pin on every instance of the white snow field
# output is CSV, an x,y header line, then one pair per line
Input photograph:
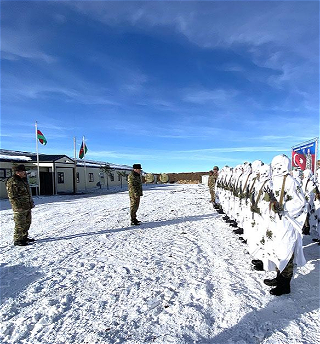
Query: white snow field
x,y
182,276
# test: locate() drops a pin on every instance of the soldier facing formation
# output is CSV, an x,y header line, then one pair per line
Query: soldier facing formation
x,y
135,192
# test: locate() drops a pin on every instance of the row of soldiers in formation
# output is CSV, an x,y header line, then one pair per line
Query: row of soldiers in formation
x,y
271,208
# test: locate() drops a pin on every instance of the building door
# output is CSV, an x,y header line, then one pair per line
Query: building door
x,y
46,186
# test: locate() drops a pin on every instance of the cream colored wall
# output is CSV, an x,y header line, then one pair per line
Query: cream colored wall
x,y
86,184
67,186
99,176
8,166
116,182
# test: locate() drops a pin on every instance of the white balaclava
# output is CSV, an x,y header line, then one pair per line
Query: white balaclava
x,y
280,165
256,166
265,172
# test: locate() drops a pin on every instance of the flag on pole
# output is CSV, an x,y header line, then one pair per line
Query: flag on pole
x,y
83,150
41,137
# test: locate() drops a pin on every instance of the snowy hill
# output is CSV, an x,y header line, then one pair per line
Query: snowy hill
x,y
182,276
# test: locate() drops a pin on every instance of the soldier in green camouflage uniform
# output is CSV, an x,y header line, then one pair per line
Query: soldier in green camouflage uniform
x,y
213,176
21,201
135,192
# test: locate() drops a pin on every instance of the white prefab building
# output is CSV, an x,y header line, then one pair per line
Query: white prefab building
x,y
60,174
205,179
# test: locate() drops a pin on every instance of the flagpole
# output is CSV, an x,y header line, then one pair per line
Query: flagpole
x,y
75,166
84,161
38,167
316,157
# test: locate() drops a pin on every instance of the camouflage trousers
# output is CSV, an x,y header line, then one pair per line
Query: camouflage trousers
x,y
22,221
213,195
288,270
134,206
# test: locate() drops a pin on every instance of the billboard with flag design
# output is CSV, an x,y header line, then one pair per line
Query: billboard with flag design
x,y
304,155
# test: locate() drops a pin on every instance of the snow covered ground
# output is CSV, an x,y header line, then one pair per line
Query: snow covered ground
x,y
182,276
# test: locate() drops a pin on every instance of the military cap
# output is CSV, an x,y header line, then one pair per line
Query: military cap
x,y
137,167
216,168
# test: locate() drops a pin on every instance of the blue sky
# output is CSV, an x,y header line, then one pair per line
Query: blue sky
x,y
177,86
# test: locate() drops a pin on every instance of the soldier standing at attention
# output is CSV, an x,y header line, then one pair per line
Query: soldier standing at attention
x,y
211,185
213,176
21,201
135,192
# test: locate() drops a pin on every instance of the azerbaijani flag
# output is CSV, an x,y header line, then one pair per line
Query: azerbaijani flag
x,y
41,137
83,150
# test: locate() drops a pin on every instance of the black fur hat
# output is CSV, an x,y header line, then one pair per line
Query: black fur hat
x,y
19,168
137,167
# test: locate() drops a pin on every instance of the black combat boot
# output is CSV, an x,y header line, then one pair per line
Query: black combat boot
x,y
272,282
283,286
258,266
306,230
238,231
20,243
135,222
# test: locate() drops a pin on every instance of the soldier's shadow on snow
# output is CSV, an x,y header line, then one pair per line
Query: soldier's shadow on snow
x,y
259,325
144,226
14,279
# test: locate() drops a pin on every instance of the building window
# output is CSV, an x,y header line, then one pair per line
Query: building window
x,y
111,176
5,173
60,177
91,178
78,177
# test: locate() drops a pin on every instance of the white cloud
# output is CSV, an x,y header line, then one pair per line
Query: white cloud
x,y
217,96
235,149
272,32
21,44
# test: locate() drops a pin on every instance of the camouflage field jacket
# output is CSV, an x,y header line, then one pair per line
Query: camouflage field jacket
x,y
212,181
135,184
19,193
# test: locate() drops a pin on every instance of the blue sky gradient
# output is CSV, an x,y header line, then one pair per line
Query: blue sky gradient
x,y
177,86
